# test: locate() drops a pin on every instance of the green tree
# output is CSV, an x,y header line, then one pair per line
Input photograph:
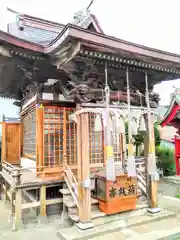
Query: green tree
x,y
139,138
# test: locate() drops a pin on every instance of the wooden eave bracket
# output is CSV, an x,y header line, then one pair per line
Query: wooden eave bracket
x,y
4,52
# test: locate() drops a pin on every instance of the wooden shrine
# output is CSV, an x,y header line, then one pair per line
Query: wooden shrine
x,y
64,81
171,118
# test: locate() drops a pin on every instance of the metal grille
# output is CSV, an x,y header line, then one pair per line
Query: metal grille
x,y
29,136
59,136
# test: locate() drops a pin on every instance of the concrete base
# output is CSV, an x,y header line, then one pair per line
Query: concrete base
x,y
16,226
110,224
153,210
42,220
85,226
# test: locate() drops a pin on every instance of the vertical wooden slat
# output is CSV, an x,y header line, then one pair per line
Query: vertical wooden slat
x,y
21,137
59,142
64,134
39,138
104,144
19,142
4,143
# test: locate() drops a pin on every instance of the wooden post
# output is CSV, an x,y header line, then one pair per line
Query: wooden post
x,y
18,212
12,211
43,203
21,137
153,181
39,138
151,156
146,153
83,168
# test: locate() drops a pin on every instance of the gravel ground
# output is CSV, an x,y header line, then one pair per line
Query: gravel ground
x,y
167,189
36,232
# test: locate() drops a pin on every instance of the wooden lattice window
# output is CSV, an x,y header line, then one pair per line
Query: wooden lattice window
x,y
29,134
96,145
118,147
59,136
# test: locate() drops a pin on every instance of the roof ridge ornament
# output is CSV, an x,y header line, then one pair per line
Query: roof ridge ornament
x,y
176,90
83,17
19,18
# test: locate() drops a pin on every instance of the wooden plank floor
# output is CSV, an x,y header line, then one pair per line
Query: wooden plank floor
x,y
29,179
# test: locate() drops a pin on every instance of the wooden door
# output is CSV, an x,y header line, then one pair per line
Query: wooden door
x,y
11,142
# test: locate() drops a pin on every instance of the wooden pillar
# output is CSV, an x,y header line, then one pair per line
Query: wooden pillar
x,y
153,180
43,201
12,211
149,154
18,212
84,194
39,138
146,153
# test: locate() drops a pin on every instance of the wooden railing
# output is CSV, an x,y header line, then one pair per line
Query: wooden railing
x,y
72,183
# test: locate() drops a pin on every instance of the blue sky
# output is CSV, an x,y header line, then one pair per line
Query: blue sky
x,y
152,23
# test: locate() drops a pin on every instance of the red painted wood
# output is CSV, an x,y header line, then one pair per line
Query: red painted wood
x,y
177,155
170,116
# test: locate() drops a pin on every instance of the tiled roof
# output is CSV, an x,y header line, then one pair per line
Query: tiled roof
x,y
32,34
42,31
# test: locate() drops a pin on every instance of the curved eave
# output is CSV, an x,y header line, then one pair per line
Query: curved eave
x,y
12,40
112,43
172,111
95,38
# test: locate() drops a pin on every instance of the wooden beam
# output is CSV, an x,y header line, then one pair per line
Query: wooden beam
x,y
38,203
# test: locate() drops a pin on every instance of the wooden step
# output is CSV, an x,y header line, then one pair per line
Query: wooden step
x,y
72,203
65,191
74,210
94,214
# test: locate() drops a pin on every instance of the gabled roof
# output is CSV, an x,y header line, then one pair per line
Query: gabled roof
x,y
42,31
172,110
